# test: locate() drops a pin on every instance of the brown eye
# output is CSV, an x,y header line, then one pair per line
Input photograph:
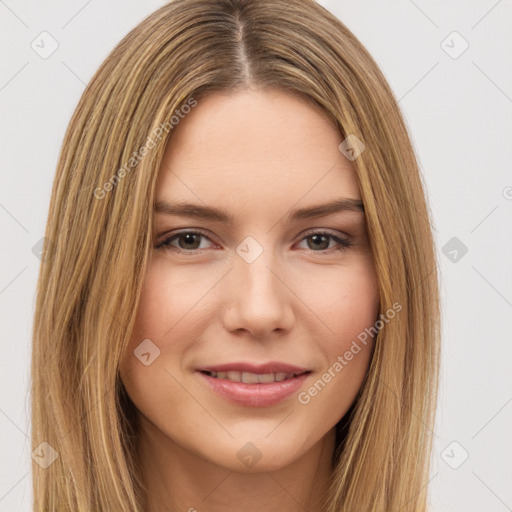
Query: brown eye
x,y
320,241
186,241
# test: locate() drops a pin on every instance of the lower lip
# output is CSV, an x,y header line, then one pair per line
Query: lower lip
x,y
255,395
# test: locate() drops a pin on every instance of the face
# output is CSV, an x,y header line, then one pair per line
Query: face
x,y
253,290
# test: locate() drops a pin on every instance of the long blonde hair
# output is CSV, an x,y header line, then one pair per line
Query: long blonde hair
x,y
99,230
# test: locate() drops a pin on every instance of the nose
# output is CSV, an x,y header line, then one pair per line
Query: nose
x,y
258,298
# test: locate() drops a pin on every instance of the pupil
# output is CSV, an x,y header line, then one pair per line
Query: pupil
x,y
189,239
318,238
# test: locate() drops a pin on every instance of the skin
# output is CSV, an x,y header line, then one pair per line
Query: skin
x,y
258,154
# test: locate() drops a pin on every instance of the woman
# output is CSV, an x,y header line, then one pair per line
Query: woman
x,y
238,303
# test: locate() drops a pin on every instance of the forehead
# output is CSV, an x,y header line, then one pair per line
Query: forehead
x,y
264,146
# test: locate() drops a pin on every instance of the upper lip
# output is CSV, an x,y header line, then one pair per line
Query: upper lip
x,y
259,369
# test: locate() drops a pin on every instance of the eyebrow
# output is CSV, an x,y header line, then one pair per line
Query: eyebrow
x,y
217,214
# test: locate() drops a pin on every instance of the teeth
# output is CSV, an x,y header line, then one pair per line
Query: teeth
x,y
252,378
266,377
235,376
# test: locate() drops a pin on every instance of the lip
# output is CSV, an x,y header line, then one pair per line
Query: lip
x,y
254,395
260,369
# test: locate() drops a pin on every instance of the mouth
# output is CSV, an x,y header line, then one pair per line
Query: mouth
x,y
253,378
251,385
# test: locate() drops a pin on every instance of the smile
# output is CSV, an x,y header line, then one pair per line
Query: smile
x,y
252,378
249,385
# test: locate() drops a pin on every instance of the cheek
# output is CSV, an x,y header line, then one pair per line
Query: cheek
x,y
168,297
357,308
346,307
159,312
164,313
344,303
170,314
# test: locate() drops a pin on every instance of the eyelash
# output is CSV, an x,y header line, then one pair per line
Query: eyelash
x,y
344,243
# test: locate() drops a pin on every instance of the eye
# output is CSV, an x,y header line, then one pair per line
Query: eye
x,y
320,241
187,241
317,241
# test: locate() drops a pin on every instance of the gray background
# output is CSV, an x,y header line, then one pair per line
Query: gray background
x,y
458,108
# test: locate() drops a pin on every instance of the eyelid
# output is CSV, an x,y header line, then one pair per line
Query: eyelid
x,y
328,231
